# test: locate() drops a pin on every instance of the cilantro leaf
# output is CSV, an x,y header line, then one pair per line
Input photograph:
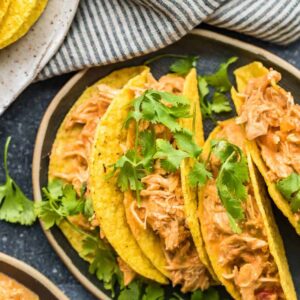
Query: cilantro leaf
x,y
220,103
203,87
129,171
197,295
88,209
183,65
148,149
104,264
150,107
199,174
153,291
185,142
169,156
231,180
15,207
60,201
220,79
290,189
210,294
132,292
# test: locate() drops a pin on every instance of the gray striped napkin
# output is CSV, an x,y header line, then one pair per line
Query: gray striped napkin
x,y
106,31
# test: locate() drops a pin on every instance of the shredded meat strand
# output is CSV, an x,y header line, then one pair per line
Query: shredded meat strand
x,y
273,120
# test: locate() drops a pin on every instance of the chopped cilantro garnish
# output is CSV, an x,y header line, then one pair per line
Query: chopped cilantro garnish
x,y
290,189
61,201
183,65
15,207
231,180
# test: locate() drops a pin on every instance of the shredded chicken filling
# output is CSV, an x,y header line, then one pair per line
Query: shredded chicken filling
x,y
84,117
245,258
162,208
273,120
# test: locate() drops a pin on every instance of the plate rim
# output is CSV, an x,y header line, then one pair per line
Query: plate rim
x,y
65,89
34,273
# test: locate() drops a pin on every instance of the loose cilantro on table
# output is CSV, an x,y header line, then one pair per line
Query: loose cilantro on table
x,y
231,180
15,207
290,189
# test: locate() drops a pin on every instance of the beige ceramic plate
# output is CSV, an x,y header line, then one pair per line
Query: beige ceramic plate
x,y
212,48
30,278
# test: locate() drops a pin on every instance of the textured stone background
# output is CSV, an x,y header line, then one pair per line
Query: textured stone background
x,y
21,121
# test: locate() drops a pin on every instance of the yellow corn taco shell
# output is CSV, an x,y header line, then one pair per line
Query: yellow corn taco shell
x,y
59,164
243,75
106,197
190,91
20,17
273,236
4,5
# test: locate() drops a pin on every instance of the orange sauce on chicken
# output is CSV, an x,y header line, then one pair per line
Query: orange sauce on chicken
x,y
11,289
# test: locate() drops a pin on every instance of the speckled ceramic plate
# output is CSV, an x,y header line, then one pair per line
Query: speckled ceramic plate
x,y
212,49
22,61
30,278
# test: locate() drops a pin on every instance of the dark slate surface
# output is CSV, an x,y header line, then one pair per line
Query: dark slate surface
x,y
21,121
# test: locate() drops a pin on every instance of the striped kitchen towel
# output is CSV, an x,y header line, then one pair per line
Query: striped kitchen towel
x,y
106,31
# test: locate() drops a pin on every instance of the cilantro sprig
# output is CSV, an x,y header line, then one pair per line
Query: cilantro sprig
x,y
104,263
216,84
15,207
181,66
60,202
289,187
231,180
156,107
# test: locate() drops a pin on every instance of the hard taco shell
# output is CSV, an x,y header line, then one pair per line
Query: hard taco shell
x,y
243,75
58,164
273,236
107,198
